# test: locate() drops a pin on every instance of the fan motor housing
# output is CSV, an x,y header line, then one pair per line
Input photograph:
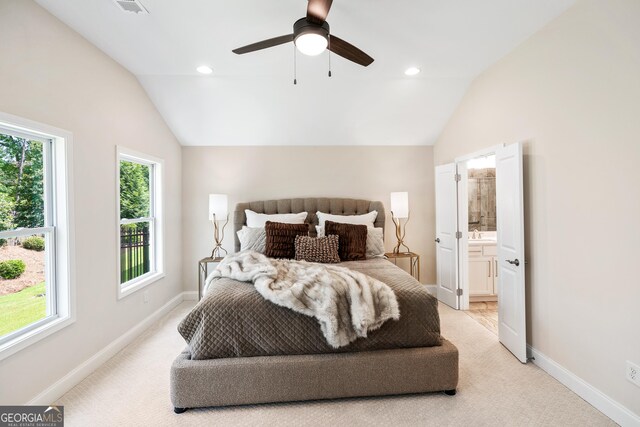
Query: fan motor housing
x,y
302,26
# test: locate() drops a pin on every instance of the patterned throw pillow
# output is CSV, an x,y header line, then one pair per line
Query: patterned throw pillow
x,y
375,241
317,249
352,240
254,239
281,239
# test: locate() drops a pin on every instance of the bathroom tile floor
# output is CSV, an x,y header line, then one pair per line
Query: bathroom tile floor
x,y
485,313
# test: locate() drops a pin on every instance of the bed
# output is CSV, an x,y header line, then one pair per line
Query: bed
x,y
379,365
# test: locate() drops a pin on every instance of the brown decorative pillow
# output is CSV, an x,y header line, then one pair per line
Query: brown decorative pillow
x,y
317,249
353,240
281,239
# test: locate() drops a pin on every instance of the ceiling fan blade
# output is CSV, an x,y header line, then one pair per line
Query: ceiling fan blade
x,y
264,44
348,51
317,11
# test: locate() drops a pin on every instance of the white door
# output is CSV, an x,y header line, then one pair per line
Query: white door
x,y
463,242
510,226
446,228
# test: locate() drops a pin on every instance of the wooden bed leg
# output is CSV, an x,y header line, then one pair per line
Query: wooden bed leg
x,y
450,392
179,410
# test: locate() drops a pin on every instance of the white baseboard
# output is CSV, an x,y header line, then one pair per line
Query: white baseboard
x,y
66,383
433,289
190,296
595,397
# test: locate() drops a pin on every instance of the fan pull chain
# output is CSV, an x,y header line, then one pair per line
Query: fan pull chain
x,y
295,70
329,52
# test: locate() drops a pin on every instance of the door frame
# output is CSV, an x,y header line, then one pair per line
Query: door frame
x,y
463,218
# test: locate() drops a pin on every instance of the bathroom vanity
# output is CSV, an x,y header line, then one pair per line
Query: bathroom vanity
x,y
483,270
483,263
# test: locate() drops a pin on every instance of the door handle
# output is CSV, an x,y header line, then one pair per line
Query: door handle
x,y
496,272
438,240
514,262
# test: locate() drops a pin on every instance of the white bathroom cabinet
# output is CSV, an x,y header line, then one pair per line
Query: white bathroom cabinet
x,y
483,280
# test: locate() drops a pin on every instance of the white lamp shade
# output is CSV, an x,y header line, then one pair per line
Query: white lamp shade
x,y
218,206
400,204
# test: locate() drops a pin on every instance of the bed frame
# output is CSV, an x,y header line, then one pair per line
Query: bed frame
x,y
268,379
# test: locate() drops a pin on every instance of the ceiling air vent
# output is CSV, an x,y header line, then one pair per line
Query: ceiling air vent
x,y
131,6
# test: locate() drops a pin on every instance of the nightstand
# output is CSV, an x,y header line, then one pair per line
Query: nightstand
x,y
414,261
203,271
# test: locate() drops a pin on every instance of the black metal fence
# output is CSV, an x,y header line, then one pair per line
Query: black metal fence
x,y
134,251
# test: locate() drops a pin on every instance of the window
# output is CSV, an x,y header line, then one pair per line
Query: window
x,y
35,244
139,224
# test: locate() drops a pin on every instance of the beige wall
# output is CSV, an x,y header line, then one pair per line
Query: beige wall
x,y
259,173
50,74
572,93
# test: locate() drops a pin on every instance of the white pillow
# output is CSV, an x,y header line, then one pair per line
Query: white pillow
x,y
375,241
258,220
367,219
254,239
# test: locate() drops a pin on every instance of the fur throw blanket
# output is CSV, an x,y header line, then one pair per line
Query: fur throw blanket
x,y
347,303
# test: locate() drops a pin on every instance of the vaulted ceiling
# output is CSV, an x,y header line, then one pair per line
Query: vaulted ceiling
x,y
251,99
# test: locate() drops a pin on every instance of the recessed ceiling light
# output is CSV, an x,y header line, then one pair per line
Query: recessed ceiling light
x,y
412,71
203,69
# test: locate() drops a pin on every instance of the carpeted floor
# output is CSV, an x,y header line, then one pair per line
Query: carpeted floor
x,y
495,389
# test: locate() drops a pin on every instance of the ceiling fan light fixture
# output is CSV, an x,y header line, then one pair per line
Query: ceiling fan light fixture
x,y
312,36
311,44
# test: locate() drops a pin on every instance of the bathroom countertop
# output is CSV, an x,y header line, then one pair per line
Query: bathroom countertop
x,y
483,241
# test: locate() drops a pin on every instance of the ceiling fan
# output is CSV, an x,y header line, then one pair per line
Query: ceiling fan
x,y
311,36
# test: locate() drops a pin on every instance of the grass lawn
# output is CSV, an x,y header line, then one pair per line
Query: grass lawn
x,y
131,264
22,308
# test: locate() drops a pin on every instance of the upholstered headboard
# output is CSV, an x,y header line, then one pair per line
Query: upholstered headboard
x,y
311,205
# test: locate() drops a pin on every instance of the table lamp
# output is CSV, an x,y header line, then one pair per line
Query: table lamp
x,y
400,211
218,212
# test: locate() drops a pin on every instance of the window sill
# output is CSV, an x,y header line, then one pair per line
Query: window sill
x,y
31,337
138,283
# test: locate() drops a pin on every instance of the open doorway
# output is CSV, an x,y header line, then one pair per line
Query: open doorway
x,y
479,248
481,257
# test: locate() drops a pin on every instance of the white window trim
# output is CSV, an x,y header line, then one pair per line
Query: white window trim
x,y
145,280
65,239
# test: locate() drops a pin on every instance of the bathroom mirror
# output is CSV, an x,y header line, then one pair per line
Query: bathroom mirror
x,y
482,193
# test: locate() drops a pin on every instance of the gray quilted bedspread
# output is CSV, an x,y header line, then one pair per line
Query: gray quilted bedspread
x,y
234,320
